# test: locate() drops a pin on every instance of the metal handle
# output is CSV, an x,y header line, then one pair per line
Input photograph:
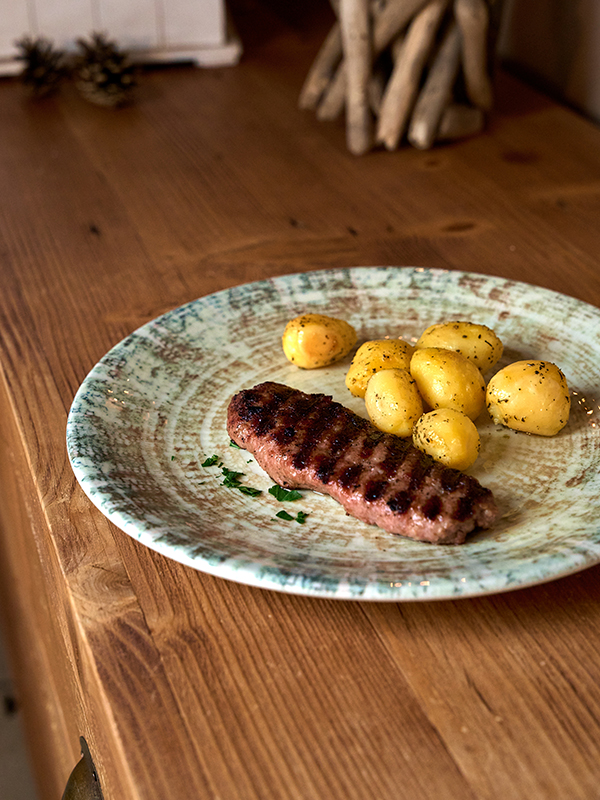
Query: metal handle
x,y
83,783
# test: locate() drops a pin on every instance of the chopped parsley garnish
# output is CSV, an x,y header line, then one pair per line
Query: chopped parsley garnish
x,y
279,493
233,444
300,517
231,478
249,490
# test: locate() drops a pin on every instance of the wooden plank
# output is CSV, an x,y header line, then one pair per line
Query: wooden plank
x,y
507,683
44,696
255,219
272,686
105,643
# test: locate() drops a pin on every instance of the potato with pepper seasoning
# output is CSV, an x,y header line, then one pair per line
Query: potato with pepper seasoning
x,y
449,436
374,356
530,396
447,379
316,340
476,342
393,401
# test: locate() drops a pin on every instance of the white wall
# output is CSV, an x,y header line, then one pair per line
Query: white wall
x,y
163,30
558,41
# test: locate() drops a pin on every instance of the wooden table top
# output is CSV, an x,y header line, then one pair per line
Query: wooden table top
x,y
186,685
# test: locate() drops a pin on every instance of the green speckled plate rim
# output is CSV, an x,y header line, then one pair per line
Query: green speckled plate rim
x,y
147,527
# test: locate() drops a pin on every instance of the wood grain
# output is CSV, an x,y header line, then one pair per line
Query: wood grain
x,y
355,27
405,79
186,685
437,91
472,17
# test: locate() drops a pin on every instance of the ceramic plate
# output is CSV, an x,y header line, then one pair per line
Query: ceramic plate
x,y
152,412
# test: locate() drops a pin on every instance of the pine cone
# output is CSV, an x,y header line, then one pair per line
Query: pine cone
x,y
103,73
44,67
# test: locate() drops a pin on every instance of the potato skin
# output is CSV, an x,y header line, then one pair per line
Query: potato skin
x,y
393,401
447,379
449,436
477,342
530,396
315,340
373,356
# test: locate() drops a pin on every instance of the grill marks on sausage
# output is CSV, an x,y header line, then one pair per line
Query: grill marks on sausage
x,y
400,502
308,441
374,490
314,433
349,477
320,435
371,441
432,507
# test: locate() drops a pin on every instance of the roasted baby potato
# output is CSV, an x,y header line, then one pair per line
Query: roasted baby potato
x,y
449,436
315,340
373,356
530,396
477,342
393,401
447,379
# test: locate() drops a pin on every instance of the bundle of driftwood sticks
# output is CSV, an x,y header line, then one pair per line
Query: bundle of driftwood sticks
x,y
403,68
